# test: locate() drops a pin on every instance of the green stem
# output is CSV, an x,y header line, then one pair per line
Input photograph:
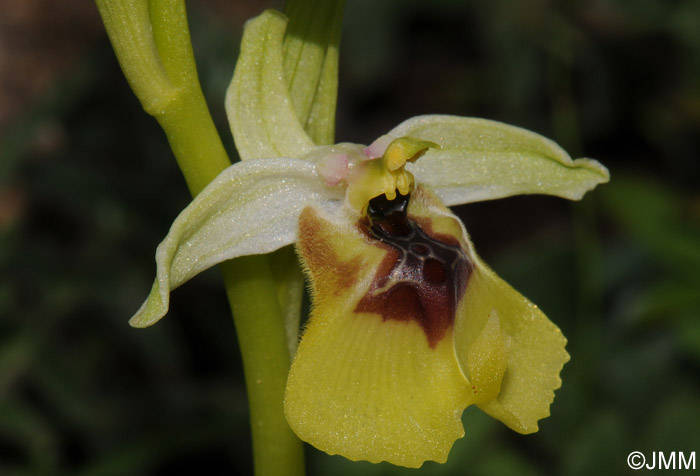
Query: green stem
x,y
187,122
263,342
152,43
129,29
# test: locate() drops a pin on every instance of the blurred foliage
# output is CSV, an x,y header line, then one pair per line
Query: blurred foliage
x,y
88,188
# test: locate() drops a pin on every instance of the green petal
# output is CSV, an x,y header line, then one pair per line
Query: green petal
x,y
482,160
251,207
259,107
531,343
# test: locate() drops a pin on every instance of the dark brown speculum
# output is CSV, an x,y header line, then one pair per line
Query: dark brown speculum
x,y
424,274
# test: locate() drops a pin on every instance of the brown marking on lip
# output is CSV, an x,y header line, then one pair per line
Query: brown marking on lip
x,y
423,275
316,248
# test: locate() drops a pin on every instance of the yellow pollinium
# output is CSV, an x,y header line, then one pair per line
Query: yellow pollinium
x,y
386,174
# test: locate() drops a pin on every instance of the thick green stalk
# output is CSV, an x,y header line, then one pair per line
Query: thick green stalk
x,y
276,449
129,29
151,40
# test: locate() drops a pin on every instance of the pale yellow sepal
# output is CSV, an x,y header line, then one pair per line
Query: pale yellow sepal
x,y
251,207
359,386
535,349
258,103
483,160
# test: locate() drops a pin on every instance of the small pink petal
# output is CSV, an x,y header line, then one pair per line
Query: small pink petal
x,y
333,168
378,147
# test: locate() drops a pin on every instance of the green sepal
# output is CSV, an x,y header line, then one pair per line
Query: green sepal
x,y
311,63
483,160
258,104
252,207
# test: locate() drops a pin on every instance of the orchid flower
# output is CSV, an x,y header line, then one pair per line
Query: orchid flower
x,y
408,326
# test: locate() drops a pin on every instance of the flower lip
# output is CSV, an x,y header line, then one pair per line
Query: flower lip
x,y
423,275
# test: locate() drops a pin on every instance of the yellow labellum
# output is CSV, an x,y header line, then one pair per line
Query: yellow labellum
x,y
391,385
487,359
360,386
535,349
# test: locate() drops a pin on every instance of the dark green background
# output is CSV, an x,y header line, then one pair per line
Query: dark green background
x,y
91,188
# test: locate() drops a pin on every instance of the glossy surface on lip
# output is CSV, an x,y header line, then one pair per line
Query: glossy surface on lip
x,y
423,274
